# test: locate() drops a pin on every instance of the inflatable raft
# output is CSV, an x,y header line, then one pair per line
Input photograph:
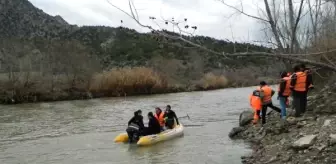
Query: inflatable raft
x,y
153,139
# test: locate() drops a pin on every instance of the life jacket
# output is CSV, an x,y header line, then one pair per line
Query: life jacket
x,y
287,90
266,91
133,126
160,118
301,79
255,100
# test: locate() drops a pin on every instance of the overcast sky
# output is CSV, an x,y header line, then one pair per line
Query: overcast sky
x,y
210,16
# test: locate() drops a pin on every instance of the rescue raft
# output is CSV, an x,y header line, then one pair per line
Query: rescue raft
x,y
153,139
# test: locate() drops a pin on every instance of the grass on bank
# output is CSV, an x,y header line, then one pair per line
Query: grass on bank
x,y
120,81
115,82
211,81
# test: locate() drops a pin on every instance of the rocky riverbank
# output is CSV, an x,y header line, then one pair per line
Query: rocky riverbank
x,y
306,140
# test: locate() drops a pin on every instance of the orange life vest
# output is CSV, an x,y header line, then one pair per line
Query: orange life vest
x,y
301,78
160,118
287,90
256,105
267,92
255,102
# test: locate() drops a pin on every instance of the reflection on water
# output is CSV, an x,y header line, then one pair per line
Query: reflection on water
x,y
83,131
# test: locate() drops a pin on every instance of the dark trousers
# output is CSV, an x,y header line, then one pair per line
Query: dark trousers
x,y
264,111
133,135
299,102
170,123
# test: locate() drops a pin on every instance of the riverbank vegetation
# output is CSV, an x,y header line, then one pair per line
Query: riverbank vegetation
x,y
36,86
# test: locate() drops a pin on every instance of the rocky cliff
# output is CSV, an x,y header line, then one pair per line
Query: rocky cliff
x,y
19,18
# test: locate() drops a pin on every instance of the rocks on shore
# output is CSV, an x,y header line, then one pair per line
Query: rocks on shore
x,y
304,142
307,139
235,131
245,117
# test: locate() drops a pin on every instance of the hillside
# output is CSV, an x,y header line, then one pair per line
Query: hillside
x,y
38,48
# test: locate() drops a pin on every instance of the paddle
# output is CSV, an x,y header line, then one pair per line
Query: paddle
x,y
187,116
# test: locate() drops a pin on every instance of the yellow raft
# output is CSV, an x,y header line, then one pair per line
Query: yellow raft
x,y
153,139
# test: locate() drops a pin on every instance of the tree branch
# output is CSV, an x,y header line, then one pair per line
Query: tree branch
x,y
242,11
291,57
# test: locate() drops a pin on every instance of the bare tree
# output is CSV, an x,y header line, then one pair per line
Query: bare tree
x,y
297,57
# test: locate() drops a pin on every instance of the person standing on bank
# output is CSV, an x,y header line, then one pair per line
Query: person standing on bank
x,y
308,72
255,102
283,93
299,86
266,93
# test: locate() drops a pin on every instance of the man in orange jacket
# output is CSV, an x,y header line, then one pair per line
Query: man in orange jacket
x,y
266,93
255,102
299,85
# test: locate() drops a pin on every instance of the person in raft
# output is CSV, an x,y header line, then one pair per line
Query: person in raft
x,y
256,104
170,118
159,115
135,127
153,125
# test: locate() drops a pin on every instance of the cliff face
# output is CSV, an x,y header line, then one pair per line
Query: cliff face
x,y
19,18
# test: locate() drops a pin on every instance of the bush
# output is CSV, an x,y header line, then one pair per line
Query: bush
x,y
122,81
211,81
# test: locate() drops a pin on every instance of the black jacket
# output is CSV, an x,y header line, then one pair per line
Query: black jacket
x,y
153,126
171,115
282,88
137,120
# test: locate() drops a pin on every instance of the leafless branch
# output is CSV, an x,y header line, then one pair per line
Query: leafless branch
x,y
332,63
242,11
291,57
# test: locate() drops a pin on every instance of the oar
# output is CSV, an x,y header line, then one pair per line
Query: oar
x,y
187,116
191,125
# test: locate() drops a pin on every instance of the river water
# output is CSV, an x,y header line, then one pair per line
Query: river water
x,y
82,132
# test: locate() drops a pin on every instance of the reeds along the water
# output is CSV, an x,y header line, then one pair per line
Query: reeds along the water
x,y
128,81
211,81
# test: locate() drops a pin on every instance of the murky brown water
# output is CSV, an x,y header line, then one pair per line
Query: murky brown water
x,y
82,132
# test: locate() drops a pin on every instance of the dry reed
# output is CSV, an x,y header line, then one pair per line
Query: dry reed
x,y
211,81
128,81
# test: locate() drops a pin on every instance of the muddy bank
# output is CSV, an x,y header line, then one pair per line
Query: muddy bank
x,y
305,140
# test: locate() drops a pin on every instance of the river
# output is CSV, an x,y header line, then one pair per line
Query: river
x,y
82,132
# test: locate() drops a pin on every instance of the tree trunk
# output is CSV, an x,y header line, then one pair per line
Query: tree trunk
x,y
273,27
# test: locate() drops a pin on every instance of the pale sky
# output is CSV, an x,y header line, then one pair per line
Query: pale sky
x,y
211,17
